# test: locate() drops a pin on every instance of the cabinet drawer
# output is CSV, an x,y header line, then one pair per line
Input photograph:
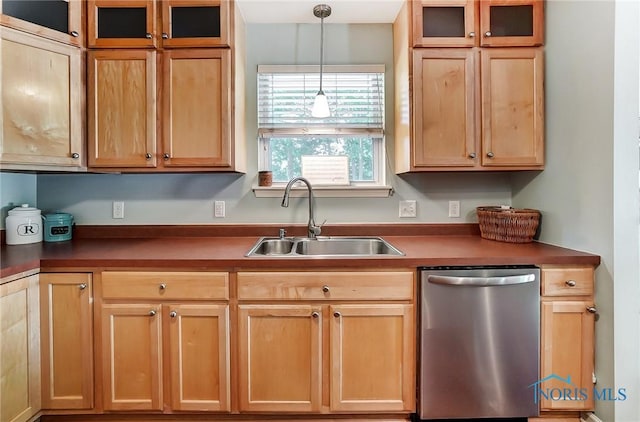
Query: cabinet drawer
x,y
567,281
165,285
331,285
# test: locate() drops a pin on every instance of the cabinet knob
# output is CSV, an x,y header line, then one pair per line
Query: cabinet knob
x,y
163,286
82,286
591,309
152,312
74,34
173,314
148,36
75,155
325,288
337,314
472,34
490,154
472,155
165,36
148,156
166,156
315,314
570,283
487,34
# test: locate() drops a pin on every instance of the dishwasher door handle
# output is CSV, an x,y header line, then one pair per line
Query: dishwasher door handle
x,y
481,281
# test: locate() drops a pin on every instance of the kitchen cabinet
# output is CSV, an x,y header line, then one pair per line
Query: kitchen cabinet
x,y
58,20
329,331
567,337
135,23
164,341
42,104
486,23
170,107
67,340
20,348
471,108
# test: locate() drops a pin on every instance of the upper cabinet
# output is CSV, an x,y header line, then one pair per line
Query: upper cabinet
x,y
486,23
59,20
150,23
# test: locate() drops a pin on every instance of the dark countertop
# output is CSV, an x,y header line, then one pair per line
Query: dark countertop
x,y
227,253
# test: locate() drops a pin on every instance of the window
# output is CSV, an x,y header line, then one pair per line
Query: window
x,y
355,129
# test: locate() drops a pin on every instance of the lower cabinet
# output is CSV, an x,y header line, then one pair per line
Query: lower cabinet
x,y
67,340
164,341
345,341
19,349
567,339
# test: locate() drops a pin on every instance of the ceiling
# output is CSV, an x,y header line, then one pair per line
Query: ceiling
x,y
301,11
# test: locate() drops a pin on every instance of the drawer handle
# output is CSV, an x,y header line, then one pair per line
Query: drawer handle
x,y
74,34
315,314
163,286
152,312
337,314
325,288
173,314
591,309
82,286
570,283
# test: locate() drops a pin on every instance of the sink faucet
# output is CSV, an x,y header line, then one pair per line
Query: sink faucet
x,y
313,230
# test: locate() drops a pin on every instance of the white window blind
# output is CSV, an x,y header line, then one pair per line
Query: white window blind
x,y
355,95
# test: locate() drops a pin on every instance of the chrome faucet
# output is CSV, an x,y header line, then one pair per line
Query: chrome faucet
x,y
313,230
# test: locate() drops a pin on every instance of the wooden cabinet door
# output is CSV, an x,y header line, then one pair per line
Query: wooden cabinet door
x,y
19,350
372,358
195,23
280,358
41,105
131,357
198,346
121,105
445,89
121,23
512,107
67,341
445,23
196,108
56,20
566,354
510,23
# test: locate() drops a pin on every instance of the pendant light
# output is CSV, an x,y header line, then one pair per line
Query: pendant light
x,y
321,105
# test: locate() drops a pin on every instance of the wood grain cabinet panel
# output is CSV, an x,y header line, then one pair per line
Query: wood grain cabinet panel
x,y
195,104
131,356
67,340
122,108
19,350
41,107
280,357
567,281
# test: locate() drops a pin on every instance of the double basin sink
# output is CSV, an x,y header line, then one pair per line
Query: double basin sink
x,y
323,246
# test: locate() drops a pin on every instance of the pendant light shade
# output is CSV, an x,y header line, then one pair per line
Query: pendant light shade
x,y
321,105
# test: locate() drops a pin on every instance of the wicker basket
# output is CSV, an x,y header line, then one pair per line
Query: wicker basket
x,y
508,224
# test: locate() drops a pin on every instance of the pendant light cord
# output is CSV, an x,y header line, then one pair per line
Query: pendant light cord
x,y
321,50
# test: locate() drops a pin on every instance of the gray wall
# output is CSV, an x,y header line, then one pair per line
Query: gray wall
x,y
188,198
589,190
16,189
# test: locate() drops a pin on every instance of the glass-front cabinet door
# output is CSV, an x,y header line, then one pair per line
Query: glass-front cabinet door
x,y
120,23
195,23
486,23
59,20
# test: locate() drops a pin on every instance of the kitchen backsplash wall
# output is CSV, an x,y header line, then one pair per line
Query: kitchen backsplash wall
x,y
16,189
188,198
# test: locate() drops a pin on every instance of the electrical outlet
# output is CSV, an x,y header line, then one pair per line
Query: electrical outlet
x,y
218,209
117,209
408,209
454,209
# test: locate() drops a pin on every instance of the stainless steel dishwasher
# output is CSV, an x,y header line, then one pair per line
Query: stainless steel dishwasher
x,y
479,342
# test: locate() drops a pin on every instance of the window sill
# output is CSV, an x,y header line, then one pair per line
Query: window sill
x,y
325,191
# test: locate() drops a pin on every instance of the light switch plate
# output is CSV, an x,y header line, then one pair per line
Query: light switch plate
x,y
218,209
117,209
408,209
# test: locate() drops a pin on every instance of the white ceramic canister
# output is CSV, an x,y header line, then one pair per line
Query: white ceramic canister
x,y
24,225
